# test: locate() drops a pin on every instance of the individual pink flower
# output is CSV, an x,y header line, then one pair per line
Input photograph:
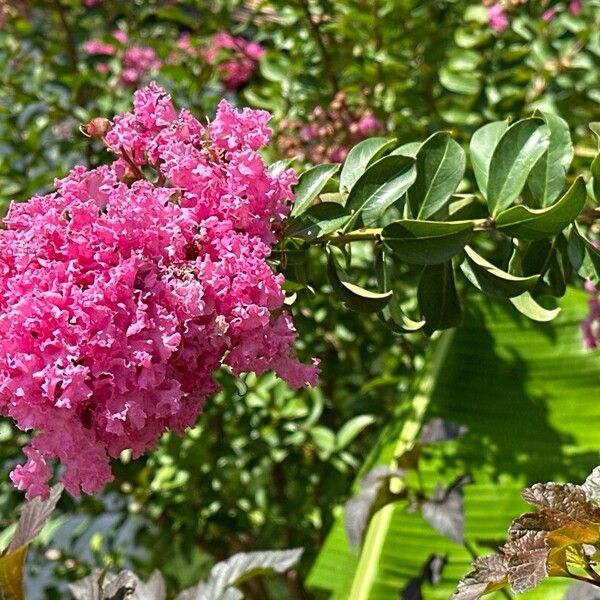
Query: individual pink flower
x,y
370,125
590,327
120,36
549,15
97,47
128,287
575,7
497,17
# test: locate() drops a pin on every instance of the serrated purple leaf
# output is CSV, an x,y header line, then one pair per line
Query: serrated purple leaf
x,y
491,569
469,590
527,558
543,520
488,571
567,498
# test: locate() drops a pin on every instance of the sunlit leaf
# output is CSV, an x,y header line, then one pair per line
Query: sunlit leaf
x,y
310,185
530,223
515,155
440,168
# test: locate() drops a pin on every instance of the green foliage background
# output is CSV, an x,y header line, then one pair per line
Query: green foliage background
x,y
266,467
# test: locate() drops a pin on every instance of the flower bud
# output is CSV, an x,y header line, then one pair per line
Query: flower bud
x,y
98,127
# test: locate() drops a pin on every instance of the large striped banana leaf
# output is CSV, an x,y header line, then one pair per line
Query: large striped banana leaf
x,y
529,396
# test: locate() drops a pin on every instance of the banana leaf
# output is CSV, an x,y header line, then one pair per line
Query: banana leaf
x,y
527,393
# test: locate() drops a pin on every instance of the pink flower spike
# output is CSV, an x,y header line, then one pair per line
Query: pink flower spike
x,y
121,296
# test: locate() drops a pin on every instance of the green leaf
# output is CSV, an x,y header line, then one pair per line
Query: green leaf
x,y
426,242
595,129
530,223
317,221
527,306
382,184
395,318
438,299
440,168
355,297
358,159
481,148
583,255
493,281
548,176
515,155
461,82
351,429
324,440
511,382
595,169
410,149
310,184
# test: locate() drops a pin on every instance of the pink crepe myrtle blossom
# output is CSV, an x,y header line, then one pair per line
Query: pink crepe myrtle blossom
x,y
497,17
575,7
370,125
549,15
137,60
241,58
123,292
590,327
330,131
99,48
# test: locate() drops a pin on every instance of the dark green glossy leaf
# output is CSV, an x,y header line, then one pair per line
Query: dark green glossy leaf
x,y
438,299
516,153
583,255
358,159
482,147
493,281
440,168
382,184
548,176
355,297
426,242
317,221
310,184
530,223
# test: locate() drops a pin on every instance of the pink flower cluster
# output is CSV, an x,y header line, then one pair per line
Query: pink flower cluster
x,y
122,292
136,60
234,58
590,327
329,133
498,12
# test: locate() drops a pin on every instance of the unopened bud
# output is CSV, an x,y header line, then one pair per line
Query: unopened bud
x,y
96,128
